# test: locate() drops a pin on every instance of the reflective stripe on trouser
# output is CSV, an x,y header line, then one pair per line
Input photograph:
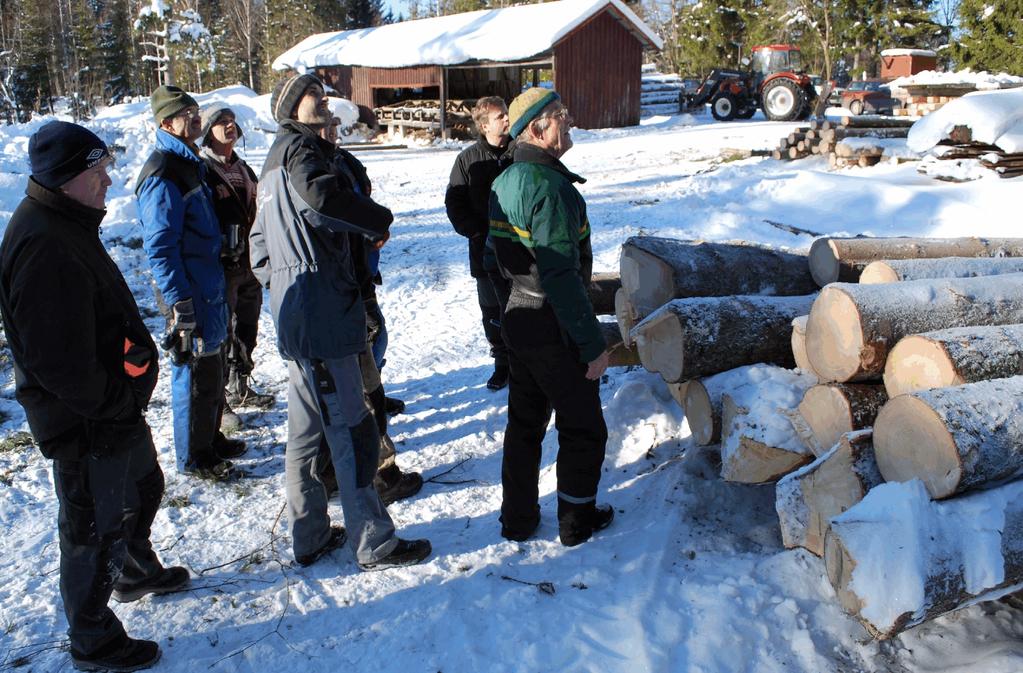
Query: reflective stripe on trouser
x,y
325,399
197,391
107,507
546,375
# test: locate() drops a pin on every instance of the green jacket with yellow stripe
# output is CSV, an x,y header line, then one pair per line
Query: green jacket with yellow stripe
x,y
540,232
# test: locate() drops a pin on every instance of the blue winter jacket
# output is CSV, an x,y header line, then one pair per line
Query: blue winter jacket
x,y
181,235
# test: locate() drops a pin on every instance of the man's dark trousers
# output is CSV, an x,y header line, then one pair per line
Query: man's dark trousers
x,y
244,296
546,374
107,506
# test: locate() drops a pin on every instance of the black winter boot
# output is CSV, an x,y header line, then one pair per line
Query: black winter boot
x,y
577,523
239,394
121,655
499,379
393,485
164,582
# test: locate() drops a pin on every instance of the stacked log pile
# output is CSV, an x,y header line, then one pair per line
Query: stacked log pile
x,y
845,142
960,146
913,375
923,99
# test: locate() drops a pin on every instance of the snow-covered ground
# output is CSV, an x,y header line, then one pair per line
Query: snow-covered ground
x,y
691,577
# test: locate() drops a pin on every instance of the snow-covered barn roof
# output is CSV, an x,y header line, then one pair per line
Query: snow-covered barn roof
x,y
908,52
492,35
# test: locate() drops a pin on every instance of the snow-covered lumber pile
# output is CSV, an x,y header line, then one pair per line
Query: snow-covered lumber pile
x,y
979,132
658,93
852,140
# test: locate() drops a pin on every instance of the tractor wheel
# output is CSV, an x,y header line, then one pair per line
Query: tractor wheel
x,y
782,100
856,107
723,107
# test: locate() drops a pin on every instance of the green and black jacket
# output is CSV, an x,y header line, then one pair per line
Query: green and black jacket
x,y
541,234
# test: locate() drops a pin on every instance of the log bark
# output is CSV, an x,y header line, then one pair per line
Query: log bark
x,y
952,357
602,289
835,409
656,270
619,355
798,341
626,316
842,259
914,559
809,498
699,336
897,270
953,439
852,327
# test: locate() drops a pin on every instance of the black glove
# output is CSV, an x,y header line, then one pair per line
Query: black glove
x,y
179,345
107,438
374,321
183,314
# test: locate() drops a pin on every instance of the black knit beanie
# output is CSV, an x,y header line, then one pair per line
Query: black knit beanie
x,y
59,151
287,93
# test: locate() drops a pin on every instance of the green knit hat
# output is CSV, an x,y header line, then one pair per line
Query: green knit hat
x,y
527,106
167,101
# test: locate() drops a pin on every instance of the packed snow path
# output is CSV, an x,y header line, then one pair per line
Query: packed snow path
x,y
691,577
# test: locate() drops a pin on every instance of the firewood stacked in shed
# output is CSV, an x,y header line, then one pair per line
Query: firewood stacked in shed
x,y
844,142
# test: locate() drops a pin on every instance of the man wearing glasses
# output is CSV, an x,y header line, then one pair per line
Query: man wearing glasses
x,y
557,354
181,236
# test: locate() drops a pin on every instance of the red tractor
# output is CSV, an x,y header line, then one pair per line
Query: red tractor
x,y
776,84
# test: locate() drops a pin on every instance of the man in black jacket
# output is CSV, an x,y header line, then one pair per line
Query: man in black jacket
x,y
85,367
233,187
467,202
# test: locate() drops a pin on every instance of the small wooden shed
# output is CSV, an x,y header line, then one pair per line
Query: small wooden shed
x,y
906,62
591,51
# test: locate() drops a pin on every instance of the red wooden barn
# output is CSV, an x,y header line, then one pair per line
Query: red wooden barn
x,y
591,51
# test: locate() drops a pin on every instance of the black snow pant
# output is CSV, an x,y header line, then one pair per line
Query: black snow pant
x,y
492,292
546,375
244,296
197,395
107,506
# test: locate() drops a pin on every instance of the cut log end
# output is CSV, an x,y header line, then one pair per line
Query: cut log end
x,y
626,316
799,345
703,422
678,393
659,348
823,261
828,414
840,565
647,278
878,272
912,442
919,363
834,337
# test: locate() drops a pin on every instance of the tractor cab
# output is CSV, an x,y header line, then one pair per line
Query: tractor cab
x,y
776,58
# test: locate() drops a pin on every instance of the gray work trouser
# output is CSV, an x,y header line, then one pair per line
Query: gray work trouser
x,y
326,400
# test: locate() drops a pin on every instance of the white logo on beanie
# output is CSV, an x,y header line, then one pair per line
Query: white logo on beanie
x,y
93,157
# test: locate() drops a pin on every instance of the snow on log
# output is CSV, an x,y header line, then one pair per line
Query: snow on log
x,y
953,439
758,444
602,289
831,410
896,270
952,357
842,259
852,327
810,497
656,270
626,316
619,355
799,345
698,336
897,558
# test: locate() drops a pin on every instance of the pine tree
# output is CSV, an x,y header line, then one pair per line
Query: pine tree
x,y
33,86
115,50
285,24
990,38
366,14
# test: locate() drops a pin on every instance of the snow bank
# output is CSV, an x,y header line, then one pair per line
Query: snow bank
x,y
994,117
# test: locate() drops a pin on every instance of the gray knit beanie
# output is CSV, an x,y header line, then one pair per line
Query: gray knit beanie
x,y
287,93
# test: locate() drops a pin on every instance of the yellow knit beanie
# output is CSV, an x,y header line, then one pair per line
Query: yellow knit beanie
x,y
526,106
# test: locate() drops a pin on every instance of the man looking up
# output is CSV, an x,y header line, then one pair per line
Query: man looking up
x,y
556,350
299,248
181,236
233,186
467,202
